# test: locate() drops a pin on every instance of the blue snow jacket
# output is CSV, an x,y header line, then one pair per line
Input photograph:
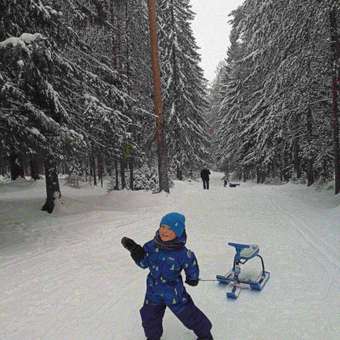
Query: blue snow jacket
x,y
164,281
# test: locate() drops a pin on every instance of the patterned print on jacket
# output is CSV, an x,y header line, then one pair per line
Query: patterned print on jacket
x,y
164,282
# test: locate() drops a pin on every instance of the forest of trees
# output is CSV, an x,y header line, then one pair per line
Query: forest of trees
x,y
76,90
274,100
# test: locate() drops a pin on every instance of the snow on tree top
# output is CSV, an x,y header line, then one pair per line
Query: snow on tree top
x,y
35,131
22,41
91,98
28,38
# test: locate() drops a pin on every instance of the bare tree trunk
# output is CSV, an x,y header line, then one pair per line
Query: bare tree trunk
x,y
131,173
335,82
258,175
25,165
93,169
286,172
310,161
16,166
52,184
261,176
34,164
274,169
245,174
117,176
89,169
310,174
158,104
296,156
109,168
100,168
179,173
2,165
122,173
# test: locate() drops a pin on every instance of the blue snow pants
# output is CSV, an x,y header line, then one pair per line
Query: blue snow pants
x,y
190,315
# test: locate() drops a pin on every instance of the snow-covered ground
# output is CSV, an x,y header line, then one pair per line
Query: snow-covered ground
x,y
66,276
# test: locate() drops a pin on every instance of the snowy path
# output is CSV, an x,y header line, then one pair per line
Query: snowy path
x,y
67,277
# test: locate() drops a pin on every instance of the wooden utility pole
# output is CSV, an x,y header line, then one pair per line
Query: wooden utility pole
x,y
157,98
335,87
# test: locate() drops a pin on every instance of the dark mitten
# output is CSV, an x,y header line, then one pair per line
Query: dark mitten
x,y
137,252
191,282
128,243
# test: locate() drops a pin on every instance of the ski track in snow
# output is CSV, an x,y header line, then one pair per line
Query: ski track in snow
x,y
304,230
326,259
66,276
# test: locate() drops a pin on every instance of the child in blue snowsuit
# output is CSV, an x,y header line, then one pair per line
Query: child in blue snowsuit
x,y
166,256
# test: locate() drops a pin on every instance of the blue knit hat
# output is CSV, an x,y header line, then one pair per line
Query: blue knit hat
x,y
175,222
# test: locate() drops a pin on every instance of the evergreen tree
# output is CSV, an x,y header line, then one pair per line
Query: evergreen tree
x,y
275,112
47,79
184,87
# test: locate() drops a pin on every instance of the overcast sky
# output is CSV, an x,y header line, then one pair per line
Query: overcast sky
x,y
212,30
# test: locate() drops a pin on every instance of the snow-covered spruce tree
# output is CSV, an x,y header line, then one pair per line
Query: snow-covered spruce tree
x,y
184,87
126,46
283,97
139,73
302,89
261,135
216,95
136,67
105,116
34,115
229,103
49,81
297,89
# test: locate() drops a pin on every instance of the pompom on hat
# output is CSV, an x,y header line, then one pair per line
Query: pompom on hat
x,y
175,222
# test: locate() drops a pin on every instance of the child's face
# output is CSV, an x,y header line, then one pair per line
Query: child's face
x,y
166,234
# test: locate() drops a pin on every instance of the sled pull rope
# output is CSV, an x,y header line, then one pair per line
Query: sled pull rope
x,y
208,280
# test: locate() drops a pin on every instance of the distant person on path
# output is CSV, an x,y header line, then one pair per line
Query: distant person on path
x,y
166,256
225,179
205,178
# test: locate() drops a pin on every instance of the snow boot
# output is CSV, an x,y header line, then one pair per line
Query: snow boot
x,y
206,338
